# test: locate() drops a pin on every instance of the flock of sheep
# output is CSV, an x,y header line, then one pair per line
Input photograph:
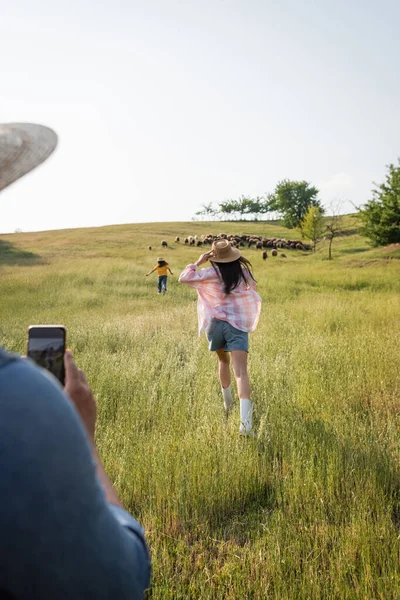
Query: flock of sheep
x,y
256,241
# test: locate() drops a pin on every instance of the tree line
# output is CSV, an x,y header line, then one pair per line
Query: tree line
x,y
297,205
289,202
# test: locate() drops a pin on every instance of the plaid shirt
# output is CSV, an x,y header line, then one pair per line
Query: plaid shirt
x,y
241,308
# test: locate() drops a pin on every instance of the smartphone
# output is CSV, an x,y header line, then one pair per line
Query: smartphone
x,y
46,347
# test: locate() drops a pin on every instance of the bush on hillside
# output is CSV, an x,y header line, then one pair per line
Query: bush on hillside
x,y
312,225
381,215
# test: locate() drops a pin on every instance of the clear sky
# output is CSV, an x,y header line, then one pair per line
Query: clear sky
x,y
161,105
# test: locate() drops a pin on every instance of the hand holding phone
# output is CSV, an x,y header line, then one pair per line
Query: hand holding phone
x,y
46,347
77,388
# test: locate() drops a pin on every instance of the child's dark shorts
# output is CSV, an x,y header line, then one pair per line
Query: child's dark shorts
x,y
221,334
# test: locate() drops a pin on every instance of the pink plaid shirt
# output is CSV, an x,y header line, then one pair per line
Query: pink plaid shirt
x,y
241,308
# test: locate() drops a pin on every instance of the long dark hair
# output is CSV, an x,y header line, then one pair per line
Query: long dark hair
x,y
233,273
162,263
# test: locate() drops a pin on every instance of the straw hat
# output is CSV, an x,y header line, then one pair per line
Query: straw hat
x,y
23,147
159,259
223,252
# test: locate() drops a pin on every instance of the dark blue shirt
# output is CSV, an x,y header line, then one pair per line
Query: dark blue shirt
x,y
59,538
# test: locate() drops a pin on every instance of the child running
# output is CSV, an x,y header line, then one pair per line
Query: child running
x,y
162,269
228,309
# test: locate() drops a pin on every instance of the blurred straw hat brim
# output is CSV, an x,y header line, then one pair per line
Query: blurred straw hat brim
x,y
23,147
222,252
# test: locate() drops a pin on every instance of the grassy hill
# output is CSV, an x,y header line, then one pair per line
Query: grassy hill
x,y
309,509
132,241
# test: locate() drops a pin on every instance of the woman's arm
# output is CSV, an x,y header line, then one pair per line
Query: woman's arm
x,y
190,275
150,272
170,271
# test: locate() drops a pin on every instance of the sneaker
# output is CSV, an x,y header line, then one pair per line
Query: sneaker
x,y
228,400
246,417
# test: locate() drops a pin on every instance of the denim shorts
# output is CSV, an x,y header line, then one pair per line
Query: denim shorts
x,y
222,335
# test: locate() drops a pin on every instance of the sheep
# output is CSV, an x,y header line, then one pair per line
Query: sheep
x,y
199,243
283,255
264,255
177,239
149,247
274,253
164,244
259,242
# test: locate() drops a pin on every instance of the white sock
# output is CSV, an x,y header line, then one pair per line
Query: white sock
x,y
228,400
246,416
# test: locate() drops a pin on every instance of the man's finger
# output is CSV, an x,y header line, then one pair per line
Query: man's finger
x,y
71,370
82,376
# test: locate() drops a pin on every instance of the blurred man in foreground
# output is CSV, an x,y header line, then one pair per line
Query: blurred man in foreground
x,y
64,532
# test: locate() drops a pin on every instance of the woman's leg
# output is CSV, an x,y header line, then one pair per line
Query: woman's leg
x,y
225,379
239,362
159,284
223,368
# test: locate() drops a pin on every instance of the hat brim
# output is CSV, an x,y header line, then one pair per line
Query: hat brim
x,y
23,147
233,255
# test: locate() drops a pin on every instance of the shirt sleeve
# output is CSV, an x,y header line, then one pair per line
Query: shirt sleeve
x,y
61,538
194,278
252,284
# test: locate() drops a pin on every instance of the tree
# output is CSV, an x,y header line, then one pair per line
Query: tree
x,y
312,224
243,205
207,210
292,199
228,207
333,225
259,206
381,215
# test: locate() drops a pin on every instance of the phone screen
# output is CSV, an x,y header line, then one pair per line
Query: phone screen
x,y
46,347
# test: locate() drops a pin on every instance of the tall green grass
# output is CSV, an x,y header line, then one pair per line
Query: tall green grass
x,y
309,508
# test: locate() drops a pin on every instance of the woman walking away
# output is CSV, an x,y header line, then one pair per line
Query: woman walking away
x,y
228,309
162,269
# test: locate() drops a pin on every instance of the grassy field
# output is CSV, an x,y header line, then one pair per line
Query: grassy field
x,y
309,508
